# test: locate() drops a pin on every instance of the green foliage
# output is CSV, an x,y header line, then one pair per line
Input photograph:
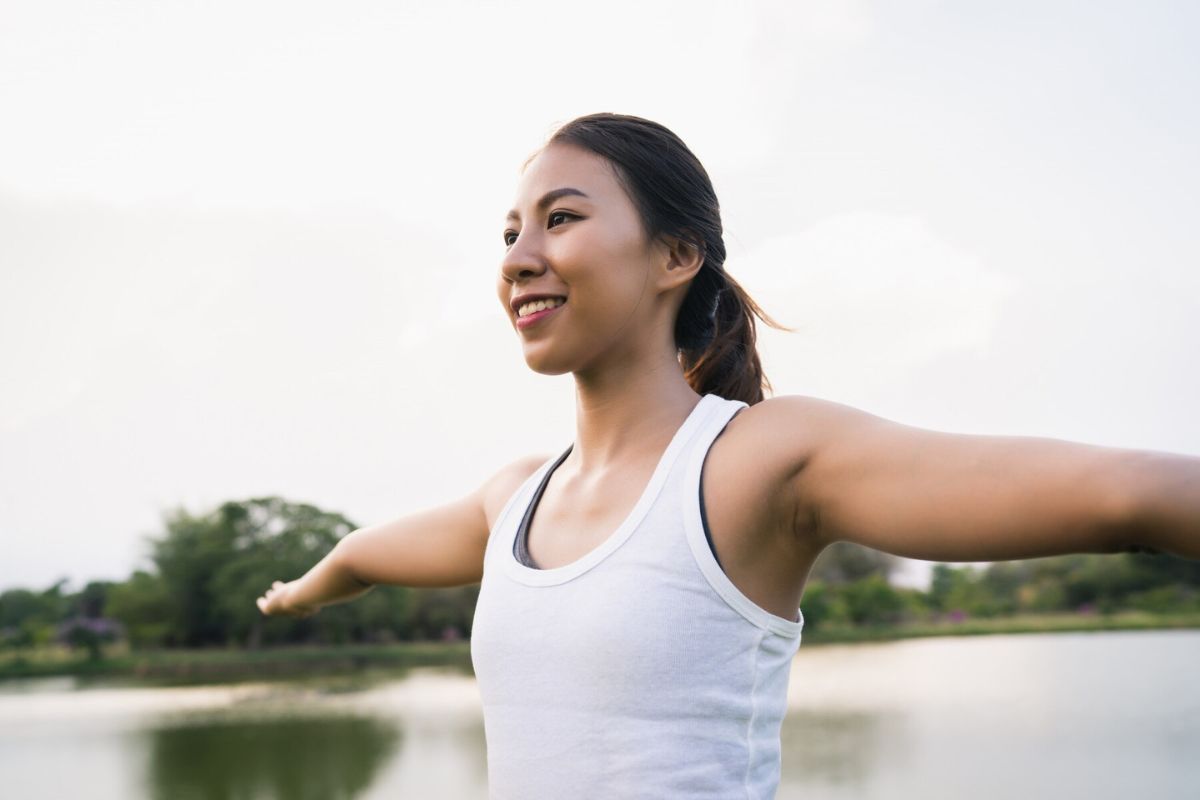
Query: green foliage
x,y
90,602
819,606
27,618
964,591
22,607
873,601
207,571
141,604
209,568
442,613
1156,584
846,562
213,567
192,551
1001,582
1105,582
18,606
1170,599
378,616
916,603
83,633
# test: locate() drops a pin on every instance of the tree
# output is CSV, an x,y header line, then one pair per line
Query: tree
x,y
873,601
960,590
142,605
213,566
89,633
91,601
28,617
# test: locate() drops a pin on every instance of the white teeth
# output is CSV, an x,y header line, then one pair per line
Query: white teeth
x,y
539,305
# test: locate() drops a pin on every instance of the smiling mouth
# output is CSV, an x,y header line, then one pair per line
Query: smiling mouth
x,y
539,315
538,305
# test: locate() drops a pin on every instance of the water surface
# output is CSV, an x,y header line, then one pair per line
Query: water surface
x,y
1065,715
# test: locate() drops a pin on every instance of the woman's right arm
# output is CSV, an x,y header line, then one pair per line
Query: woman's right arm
x,y
439,546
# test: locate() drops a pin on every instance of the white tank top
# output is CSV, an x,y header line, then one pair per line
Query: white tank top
x,y
638,670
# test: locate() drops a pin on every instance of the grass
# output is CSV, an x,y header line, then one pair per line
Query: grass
x,y
214,665
1021,623
211,665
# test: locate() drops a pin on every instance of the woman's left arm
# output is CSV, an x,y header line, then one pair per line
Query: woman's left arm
x,y
964,497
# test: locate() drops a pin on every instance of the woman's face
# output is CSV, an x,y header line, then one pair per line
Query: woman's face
x,y
586,245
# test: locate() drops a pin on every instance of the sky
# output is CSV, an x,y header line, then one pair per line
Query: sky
x,y
249,248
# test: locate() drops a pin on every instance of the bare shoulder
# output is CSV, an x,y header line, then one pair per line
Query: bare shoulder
x,y
500,487
771,443
800,409
785,429
797,427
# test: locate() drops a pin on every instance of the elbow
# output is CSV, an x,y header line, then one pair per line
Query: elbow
x,y
1135,500
1122,522
1129,534
343,554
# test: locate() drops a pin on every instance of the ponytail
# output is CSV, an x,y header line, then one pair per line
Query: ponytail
x,y
718,347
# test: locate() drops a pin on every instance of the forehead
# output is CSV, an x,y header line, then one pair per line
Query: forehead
x,y
560,165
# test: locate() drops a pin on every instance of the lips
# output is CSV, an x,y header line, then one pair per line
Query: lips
x,y
516,303
538,316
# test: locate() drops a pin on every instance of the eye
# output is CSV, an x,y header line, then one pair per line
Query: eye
x,y
510,236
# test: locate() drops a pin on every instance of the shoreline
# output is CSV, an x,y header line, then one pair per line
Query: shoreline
x,y
218,665
1024,623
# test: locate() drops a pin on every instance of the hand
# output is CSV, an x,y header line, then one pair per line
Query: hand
x,y
275,602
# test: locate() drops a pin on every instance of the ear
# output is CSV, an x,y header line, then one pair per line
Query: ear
x,y
679,263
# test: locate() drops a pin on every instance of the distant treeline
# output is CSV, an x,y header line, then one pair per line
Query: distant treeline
x,y
850,588
208,570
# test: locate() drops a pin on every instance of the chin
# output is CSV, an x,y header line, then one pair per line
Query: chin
x,y
546,364
545,368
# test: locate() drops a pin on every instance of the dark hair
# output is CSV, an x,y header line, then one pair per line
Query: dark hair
x,y
714,332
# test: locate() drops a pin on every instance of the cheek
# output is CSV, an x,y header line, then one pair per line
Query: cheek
x,y
626,278
609,295
502,293
616,266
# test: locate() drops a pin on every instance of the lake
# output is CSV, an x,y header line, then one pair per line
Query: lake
x,y
1062,715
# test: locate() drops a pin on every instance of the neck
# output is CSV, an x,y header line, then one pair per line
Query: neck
x,y
629,414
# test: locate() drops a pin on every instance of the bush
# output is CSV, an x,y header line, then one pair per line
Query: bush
x,y
1165,600
873,601
816,604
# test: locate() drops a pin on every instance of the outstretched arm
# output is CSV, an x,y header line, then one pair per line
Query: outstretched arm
x,y
961,497
439,546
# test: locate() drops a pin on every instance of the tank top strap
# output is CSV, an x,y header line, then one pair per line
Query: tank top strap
x,y
695,530
657,495
713,423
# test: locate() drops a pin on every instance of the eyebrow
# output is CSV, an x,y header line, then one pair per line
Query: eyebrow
x,y
548,198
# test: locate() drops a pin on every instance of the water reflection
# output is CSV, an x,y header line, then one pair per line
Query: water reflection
x,y
298,758
1100,716
840,747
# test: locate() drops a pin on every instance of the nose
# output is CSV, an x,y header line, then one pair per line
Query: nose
x,y
523,260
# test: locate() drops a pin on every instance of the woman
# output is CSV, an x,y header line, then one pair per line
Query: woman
x,y
633,637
